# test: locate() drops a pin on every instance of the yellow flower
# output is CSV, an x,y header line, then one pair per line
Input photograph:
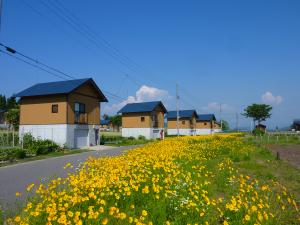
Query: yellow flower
x,y
104,221
18,194
30,186
17,219
144,213
247,217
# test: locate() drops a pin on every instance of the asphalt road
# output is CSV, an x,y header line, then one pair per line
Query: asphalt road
x,y
16,178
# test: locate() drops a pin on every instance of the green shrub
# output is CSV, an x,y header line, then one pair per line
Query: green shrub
x,y
41,147
131,138
20,154
141,137
12,154
28,140
258,132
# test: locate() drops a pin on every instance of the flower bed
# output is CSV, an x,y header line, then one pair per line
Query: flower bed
x,y
186,180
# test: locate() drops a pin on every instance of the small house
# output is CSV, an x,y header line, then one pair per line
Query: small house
x,y
296,125
261,127
2,118
66,112
105,125
207,124
186,124
143,119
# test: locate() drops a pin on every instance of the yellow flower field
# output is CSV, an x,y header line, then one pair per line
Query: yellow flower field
x,y
186,180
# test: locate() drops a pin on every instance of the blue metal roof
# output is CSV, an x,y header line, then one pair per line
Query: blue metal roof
x,y
104,122
142,107
59,87
182,114
206,117
297,121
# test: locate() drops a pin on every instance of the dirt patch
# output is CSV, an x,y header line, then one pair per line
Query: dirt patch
x,y
289,153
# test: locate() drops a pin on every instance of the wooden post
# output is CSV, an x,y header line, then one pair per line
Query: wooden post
x,y
13,137
277,156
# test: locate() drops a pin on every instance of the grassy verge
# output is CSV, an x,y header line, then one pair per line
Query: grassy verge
x,y
110,133
116,140
280,139
46,156
263,165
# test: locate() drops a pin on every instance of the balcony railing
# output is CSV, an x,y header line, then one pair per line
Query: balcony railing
x,y
81,118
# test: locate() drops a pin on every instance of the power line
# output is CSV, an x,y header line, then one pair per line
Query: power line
x,y
75,27
9,49
31,64
112,95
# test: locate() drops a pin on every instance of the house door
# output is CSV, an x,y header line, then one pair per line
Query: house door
x,y
81,138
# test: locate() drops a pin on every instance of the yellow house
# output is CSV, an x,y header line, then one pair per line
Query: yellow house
x,y
145,119
67,112
186,125
207,124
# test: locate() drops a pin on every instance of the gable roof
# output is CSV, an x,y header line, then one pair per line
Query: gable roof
x,y
142,107
206,117
182,114
59,87
297,121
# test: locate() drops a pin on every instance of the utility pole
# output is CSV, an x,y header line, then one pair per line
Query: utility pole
x,y
177,109
237,122
221,116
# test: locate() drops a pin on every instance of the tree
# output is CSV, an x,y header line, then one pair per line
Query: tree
x,y
105,116
116,121
12,117
11,103
2,102
258,112
225,125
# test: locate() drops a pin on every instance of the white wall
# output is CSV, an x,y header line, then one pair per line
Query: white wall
x,y
135,132
59,133
186,132
204,131
149,133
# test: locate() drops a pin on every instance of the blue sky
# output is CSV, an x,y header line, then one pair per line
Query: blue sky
x,y
230,52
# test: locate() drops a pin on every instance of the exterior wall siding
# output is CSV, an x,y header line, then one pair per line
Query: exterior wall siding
x,y
133,120
204,125
92,107
38,110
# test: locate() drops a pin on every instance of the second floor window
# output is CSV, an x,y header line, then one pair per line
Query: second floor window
x,y
54,108
80,113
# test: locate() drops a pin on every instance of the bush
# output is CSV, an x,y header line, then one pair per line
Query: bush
x,y
39,147
131,138
141,137
28,140
20,154
258,132
12,154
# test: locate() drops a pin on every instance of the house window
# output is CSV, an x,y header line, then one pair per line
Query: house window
x,y
80,115
142,119
54,108
183,122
